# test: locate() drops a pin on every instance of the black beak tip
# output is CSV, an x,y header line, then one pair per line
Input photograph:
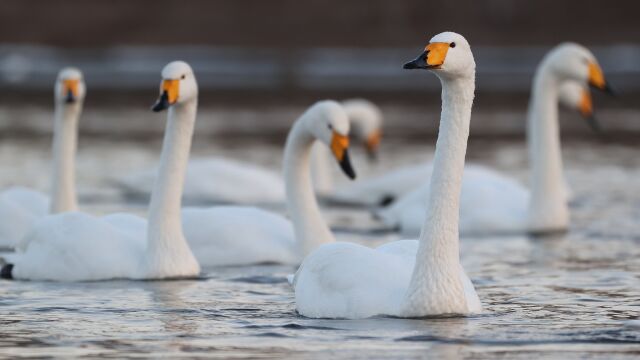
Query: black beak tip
x,y
70,99
346,167
410,65
594,124
609,90
162,103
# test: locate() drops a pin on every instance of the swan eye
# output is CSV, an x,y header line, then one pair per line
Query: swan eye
x,y
183,77
452,45
330,126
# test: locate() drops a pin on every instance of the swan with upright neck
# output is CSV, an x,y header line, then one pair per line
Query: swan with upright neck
x,y
238,182
235,235
408,278
74,246
492,203
21,207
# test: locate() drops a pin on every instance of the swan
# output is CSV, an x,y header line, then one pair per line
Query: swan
x,y
21,207
237,235
74,246
243,183
493,203
408,278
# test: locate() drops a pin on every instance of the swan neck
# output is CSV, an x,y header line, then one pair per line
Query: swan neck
x,y
165,225
548,204
310,228
436,286
321,169
65,139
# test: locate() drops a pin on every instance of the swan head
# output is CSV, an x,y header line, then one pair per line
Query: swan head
x,y
178,86
328,122
69,88
576,95
448,55
570,61
366,123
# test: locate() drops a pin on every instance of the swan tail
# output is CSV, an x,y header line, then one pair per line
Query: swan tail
x,y
6,272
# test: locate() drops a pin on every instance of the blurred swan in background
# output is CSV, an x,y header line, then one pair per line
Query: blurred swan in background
x,y
241,182
408,278
21,207
235,235
74,246
493,203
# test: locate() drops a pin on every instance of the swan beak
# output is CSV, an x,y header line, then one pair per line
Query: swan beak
x,y
339,146
168,95
596,79
70,89
586,109
431,58
373,143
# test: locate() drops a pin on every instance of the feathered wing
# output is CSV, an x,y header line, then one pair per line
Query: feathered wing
x,y
20,208
79,247
236,235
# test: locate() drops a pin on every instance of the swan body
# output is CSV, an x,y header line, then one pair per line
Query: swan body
x,y
236,235
235,182
494,204
238,182
74,246
21,207
340,280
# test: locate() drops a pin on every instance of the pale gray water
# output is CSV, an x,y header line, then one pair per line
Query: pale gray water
x,y
564,297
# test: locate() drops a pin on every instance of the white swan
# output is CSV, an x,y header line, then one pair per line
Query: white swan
x,y
235,235
408,278
74,246
240,182
492,203
21,207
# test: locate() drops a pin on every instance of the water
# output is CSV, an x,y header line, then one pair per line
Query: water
x,y
568,296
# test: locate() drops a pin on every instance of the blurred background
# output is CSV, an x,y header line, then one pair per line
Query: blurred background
x,y
261,62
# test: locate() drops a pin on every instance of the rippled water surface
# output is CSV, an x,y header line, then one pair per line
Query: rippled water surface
x,y
567,296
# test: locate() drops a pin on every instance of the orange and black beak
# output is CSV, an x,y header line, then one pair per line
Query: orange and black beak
x,y
70,89
597,80
431,58
586,109
339,148
168,95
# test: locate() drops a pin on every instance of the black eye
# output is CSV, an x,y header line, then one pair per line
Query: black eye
x,y
184,76
452,45
330,126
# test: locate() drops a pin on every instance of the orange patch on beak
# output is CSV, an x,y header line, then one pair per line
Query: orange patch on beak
x,y
586,105
171,87
436,53
339,144
596,77
71,86
373,141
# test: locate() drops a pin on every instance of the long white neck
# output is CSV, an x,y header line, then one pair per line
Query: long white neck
x,y
65,139
548,210
167,247
321,169
436,286
310,228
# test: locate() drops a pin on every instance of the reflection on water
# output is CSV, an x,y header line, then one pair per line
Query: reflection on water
x,y
567,295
